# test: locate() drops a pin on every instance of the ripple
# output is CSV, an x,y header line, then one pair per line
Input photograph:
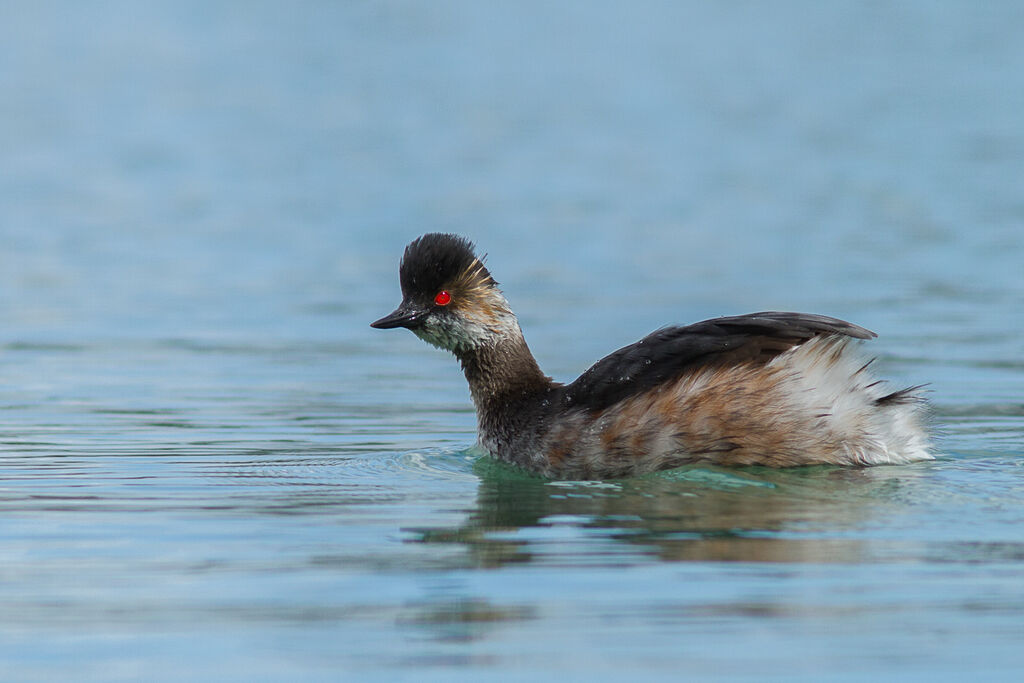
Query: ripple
x,y
1000,409
443,463
51,347
359,472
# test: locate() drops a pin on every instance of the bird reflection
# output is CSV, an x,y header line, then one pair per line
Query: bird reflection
x,y
685,515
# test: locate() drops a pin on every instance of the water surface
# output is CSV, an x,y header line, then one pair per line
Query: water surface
x,y
210,466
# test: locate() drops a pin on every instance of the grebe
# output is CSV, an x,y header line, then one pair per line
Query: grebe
x,y
775,389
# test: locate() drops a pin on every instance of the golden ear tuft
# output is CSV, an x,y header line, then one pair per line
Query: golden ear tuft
x,y
475,279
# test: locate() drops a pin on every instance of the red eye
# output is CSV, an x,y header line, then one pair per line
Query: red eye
x,y
443,298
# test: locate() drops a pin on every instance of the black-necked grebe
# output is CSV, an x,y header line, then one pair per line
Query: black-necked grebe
x,y
776,389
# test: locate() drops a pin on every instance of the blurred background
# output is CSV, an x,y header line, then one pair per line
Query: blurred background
x,y
203,204
253,169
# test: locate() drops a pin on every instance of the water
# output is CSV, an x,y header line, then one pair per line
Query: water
x,y
210,467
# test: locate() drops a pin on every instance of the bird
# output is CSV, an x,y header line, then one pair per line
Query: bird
x,y
774,389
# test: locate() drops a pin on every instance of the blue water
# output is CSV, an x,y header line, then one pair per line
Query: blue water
x,y
211,468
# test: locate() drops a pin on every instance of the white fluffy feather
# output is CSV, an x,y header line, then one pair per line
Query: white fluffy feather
x,y
827,376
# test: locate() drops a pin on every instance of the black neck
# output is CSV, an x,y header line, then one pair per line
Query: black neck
x,y
503,375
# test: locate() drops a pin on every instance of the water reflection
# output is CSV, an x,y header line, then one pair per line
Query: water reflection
x,y
814,515
460,619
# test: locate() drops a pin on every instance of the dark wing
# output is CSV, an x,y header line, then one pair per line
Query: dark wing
x,y
667,353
